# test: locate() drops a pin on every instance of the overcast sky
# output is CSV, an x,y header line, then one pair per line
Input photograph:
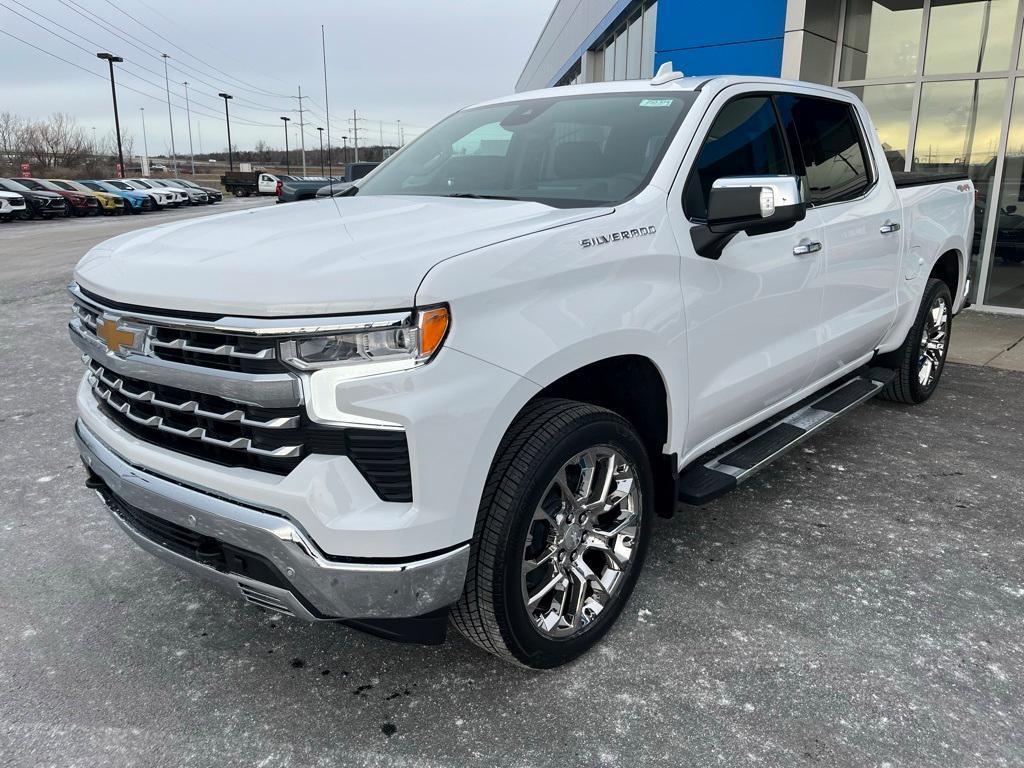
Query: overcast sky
x,y
408,60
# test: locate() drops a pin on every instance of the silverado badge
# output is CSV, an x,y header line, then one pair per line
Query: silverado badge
x,y
614,237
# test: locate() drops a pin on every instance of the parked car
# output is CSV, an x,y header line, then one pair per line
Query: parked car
x,y
78,203
12,205
134,201
41,203
193,196
212,195
246,183
482,375
110,204
305,188
179,196
163,198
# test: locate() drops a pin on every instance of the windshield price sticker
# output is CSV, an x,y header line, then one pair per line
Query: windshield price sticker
x,y
656,103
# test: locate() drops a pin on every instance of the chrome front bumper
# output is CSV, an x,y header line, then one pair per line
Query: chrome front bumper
x,y
318,588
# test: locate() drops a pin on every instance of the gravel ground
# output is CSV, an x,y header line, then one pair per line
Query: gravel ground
x,y
862,603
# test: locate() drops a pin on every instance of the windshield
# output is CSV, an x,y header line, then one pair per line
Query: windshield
x,y
121,185
33,184
136,185
566,152
64,185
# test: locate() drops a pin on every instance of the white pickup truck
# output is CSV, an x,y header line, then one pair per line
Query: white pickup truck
x,y
463,391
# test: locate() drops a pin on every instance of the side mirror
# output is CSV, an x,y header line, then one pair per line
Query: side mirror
x,y
751,204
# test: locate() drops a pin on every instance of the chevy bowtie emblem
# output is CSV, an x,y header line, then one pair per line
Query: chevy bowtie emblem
x,y
114,336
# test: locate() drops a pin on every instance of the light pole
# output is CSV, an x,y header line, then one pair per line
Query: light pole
x,y
321,132
170,120
344,149
188,114
111,59
287,159
227,119
145,142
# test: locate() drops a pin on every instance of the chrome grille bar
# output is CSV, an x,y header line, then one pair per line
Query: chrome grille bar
x,y
236,415
225,350
194,433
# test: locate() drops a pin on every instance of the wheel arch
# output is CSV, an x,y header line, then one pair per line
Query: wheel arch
x,y
950,268
633,386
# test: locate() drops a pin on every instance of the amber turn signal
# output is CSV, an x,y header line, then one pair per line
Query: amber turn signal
x,y
433,325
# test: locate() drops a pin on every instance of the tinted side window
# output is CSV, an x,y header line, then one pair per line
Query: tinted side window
x,y
744,140
832,150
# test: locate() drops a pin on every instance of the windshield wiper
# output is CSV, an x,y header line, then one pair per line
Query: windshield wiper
x,y
474,196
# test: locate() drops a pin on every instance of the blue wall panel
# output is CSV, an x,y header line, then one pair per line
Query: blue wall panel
x,y
761,57
693,23
742,37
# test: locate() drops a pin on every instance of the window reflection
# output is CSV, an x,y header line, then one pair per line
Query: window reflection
x,y
970,36
889,107
1006,271
881,39
958,130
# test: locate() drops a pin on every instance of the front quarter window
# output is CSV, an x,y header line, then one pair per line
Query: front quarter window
x,y
571,151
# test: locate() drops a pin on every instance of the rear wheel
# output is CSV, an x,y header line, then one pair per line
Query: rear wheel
x,y
561,536
920,361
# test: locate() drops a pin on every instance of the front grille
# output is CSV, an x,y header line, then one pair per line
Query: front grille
x,y
222,351
232,434
55,204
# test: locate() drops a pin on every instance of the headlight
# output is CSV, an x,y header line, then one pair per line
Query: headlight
x,y
372,349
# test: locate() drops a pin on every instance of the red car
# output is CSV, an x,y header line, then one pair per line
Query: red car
x,y
79,204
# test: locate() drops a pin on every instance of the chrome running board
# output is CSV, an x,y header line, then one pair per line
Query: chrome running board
x,y
705,481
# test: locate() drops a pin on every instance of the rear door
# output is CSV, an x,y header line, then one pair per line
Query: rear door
x,y
862,219
751,313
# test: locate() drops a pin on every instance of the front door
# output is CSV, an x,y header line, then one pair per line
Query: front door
x,y
752,313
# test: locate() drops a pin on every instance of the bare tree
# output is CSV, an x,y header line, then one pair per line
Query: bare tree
x,y
12,135
58,141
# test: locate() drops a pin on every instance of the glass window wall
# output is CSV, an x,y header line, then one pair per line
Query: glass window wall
x,y
1005,284
937,76
628,52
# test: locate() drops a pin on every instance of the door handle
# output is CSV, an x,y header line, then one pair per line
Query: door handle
x,y
806,247
888,228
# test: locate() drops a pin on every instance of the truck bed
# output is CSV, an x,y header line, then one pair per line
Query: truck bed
x,y
918,178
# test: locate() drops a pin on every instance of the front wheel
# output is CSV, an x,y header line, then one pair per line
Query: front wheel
x,y
920,361
562,531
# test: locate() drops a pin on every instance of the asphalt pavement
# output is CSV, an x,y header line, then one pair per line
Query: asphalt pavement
x,y
859,604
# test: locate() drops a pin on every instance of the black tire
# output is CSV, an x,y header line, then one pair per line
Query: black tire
x,y
908,360
492,611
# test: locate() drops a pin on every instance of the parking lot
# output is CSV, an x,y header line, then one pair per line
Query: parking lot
x,y
861,604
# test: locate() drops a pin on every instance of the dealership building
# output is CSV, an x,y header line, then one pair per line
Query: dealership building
x,y
942,79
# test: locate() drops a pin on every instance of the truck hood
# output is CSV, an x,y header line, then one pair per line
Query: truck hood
x,y
334,256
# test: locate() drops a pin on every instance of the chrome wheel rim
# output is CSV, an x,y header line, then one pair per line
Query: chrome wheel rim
x,y
582,541
934,338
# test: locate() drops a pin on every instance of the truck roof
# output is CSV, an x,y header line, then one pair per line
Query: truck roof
x,y
677,83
